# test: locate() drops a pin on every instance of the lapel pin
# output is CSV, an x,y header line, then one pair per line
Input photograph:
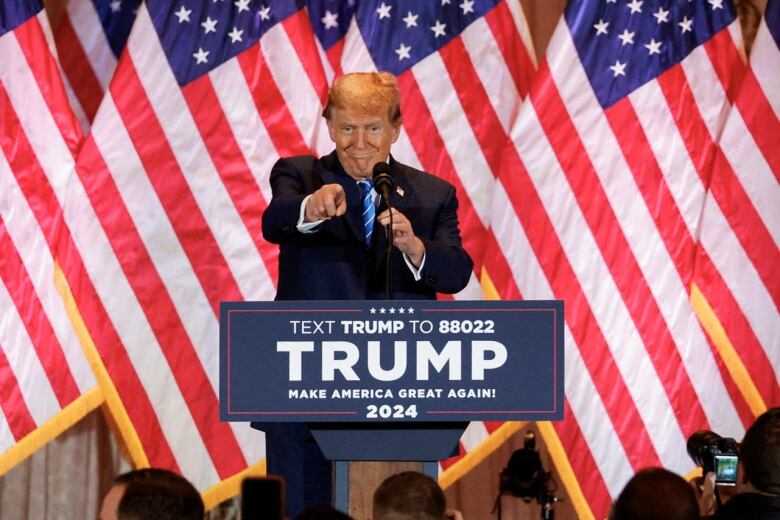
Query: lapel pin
x,y
399,191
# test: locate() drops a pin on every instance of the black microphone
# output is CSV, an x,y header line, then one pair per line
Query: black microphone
x,y
383,181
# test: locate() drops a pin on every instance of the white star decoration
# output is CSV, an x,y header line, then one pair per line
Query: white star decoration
x,y
403,51
264,13
209,25
626,37
635,6
467,6
330,20
243,5
716,4
601,27
183,14
653,47
384,10
686,24
116,5
201,56
235,35
410,20
439,29
618,69
661,15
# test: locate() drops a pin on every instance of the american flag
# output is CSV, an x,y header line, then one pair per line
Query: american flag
x,y
600,204
173,178
46,383
90,36
736,288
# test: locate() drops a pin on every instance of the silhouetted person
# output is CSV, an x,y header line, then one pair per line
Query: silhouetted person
x,y
656,494
758,473
411,496
152,494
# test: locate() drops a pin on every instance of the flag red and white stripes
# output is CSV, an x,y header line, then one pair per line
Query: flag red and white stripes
x,y
43,371
599,204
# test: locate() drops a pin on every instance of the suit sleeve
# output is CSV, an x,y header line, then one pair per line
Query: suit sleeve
x,y
447,265
288,188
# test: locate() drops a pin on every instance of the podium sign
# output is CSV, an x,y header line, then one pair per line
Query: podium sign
x,y
391,361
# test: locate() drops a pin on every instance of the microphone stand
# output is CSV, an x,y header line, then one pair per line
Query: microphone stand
x,y
389,247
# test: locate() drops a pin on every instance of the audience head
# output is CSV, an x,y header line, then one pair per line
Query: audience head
x,y
409,496
656,494
152,493
760,453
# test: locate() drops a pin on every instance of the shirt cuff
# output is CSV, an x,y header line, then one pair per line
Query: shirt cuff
x,y
306,227
416,271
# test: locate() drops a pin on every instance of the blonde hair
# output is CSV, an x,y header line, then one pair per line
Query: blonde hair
x,y
366,92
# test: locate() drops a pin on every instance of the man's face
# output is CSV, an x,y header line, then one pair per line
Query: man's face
x,y
110,504
362,140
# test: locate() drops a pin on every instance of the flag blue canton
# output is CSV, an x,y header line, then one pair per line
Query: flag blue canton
x,y
199,35
772,17
624,44
116,17
14,13
330,19
401,33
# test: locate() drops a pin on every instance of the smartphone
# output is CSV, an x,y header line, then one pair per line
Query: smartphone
x,y
262,498
726,469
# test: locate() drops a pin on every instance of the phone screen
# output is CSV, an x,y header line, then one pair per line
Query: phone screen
x,y
726,469
262,498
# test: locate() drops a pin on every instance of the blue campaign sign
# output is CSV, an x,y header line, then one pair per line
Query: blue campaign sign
x,y
379,361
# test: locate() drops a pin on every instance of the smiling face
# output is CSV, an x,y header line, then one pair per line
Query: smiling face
x,y
362,138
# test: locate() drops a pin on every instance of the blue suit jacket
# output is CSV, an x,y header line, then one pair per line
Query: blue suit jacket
x,y
334,263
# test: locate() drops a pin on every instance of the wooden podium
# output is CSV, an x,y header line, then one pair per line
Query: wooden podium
x,y
389,386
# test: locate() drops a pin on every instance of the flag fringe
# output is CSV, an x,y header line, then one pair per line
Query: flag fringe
x,y
717,333
42,435
128,435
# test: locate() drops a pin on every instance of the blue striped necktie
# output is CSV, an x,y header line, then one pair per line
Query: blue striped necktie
x,y
369,211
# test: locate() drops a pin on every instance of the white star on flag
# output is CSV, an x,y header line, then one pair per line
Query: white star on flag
x,y
201,56
654,47
467,6
116,5
183,14
618,69
235,35
264,13
686,24
438,29
243,5
661,15
403,51
601,27
384,10
716,4
209,25
626,37
410,20
635,6
330,20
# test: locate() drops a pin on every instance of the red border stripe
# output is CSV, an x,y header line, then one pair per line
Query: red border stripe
x,y
164,172
707,157
302,36
161,315
47,73
15,410
45,342
77,67
270,104
231,165
616,251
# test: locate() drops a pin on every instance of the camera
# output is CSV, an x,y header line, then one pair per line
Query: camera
x,y
715,454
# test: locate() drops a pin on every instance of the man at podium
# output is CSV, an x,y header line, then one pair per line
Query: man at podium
x,y
331,224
